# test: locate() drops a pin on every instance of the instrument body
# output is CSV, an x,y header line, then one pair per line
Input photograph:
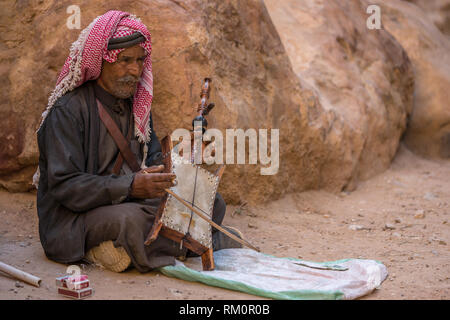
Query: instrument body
x,y
202,195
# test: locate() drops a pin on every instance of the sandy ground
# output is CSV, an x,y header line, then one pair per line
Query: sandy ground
x,y
400,217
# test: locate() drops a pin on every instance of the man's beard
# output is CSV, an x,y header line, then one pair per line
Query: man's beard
x,y
125,87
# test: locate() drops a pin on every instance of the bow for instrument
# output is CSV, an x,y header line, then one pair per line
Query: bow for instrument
x,y
204,216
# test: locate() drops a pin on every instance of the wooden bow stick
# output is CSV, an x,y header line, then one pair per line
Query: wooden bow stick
x,y
215,225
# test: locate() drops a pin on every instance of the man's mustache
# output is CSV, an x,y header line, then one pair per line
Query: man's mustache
x,y
129,80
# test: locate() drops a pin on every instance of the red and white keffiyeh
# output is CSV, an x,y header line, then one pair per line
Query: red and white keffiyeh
x,y
85,63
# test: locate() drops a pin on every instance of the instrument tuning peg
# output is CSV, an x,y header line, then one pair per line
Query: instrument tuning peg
x,y
209,108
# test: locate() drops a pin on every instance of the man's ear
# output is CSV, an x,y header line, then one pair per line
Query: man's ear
x,y
100,79
104,68
105,63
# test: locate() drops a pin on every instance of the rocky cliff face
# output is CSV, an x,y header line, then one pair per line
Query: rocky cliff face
x,y
339,95
437,11
428,132
361,77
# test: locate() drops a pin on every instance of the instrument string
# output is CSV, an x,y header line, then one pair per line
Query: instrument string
x,y
193,198
192,212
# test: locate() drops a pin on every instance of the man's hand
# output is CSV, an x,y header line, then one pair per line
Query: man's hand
x,y
151,182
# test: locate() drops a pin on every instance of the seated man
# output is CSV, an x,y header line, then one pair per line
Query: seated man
x,y
94,202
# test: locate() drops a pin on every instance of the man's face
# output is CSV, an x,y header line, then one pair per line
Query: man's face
x,y
121,77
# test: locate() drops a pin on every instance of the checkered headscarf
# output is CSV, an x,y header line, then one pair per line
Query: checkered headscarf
x,y
85,63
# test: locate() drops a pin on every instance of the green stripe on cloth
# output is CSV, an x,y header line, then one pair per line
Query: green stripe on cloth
x,y
184,273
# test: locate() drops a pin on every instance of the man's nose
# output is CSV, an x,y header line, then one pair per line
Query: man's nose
x,y
134,69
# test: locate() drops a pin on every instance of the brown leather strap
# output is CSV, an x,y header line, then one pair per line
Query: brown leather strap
x,y
117,165
119,139
119,160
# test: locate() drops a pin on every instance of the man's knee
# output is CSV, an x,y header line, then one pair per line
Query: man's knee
x,y
134,215
112,219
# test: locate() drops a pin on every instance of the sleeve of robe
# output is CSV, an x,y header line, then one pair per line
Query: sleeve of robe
x,y
68,181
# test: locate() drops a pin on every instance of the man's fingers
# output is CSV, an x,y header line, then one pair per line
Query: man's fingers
x,y
160,190
161,177
154,169
163,185
157,194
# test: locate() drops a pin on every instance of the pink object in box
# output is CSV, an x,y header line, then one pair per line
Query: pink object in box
x,y
73,282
